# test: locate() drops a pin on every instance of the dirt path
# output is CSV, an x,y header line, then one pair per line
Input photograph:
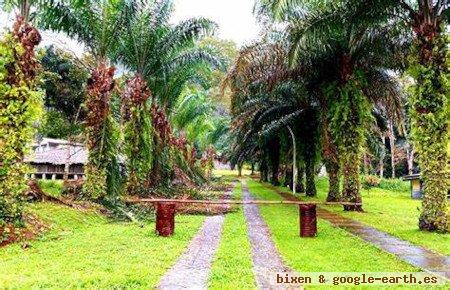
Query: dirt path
x,y
267,261
193,268
417,256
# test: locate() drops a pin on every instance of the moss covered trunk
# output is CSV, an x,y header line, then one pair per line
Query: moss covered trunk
x,y
334,193
264,176
430,117
351,113
138,132
101,134
274,157
330,157
301,179
20,106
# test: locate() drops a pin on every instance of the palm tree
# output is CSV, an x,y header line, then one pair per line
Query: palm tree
x,y
95,24
429,66
354,57
167,56
266,100
427,20
21,105
164,59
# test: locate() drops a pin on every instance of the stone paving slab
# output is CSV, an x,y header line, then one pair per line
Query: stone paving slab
x,y
193,268
267,261
417,256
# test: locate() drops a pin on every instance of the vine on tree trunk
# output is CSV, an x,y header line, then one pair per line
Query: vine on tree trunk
x,y
138,134
430,116
101,133
20,107
330,156
350,117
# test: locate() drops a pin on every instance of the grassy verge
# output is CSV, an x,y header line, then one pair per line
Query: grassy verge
x,y
87,250
232,267
331,251
393,212
51,187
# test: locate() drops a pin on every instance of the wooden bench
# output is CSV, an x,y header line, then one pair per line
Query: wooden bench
x,y
165,212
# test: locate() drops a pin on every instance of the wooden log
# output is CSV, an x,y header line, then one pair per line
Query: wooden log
x,y
268,202
165,218
308,220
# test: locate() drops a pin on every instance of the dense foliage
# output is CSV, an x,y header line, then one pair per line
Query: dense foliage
x,y
20,106
65,78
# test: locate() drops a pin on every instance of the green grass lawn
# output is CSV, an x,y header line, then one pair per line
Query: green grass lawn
x,y
88,250
333,250
232,267
393,212
51,187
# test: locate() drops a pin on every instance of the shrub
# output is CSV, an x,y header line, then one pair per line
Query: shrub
x,y
394,185
370,181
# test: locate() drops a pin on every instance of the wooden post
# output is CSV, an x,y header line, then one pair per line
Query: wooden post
x,y
165,219
308,220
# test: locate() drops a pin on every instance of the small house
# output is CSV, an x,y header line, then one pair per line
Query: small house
x,y
417,186
50,158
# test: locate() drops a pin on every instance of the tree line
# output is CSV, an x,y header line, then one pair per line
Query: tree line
x,y
144,128
340,74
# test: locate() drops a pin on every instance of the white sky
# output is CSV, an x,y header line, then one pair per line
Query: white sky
x,y
234,17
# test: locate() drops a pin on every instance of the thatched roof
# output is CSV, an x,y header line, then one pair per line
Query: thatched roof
x,y
58,156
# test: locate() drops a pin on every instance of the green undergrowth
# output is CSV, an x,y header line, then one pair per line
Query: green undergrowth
x,y
232,267
86,250
51,187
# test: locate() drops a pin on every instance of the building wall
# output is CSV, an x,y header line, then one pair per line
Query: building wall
x,y
56,172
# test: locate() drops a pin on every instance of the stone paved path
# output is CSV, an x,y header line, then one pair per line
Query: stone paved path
x,y
415,255
266,258
193,268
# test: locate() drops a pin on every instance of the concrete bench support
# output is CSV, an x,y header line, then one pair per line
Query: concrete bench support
x,y
165,219
308,220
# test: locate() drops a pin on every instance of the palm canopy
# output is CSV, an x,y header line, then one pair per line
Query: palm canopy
x,y
414,13
326,45
167,56
95,23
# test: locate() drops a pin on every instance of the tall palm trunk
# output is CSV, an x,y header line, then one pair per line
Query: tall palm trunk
x,y
20,107
138,133
310,174
391,136
274,149
351,113
330,156
67,163
98,129
382,154
263,170
301,179
430,119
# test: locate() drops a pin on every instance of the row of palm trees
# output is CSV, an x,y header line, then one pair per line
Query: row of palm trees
x,y
159,60
329,69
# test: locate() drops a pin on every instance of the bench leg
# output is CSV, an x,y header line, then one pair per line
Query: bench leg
x,y
308,220
165,219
